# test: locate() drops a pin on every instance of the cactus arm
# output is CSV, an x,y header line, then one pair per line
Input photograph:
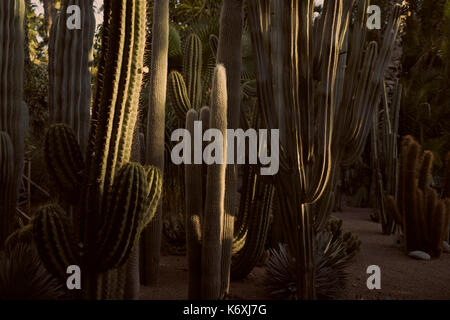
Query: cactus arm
x,y
178,95
54,240
192,70
64,161
215,195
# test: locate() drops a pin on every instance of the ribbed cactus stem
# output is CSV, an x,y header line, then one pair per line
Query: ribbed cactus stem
x,y
425,170
156,131
229,53
7,188
192,69
70,59
194,213
12,108
215,195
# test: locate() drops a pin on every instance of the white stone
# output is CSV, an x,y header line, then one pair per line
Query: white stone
x,y
446,247
419,255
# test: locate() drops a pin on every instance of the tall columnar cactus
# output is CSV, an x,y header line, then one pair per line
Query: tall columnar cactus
x,y
70,58
8,187
423,216
156,132
332,81
384,154
204,217
229,53
12,108
117,198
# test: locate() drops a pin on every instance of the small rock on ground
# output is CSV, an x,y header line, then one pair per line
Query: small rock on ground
x,y
419,255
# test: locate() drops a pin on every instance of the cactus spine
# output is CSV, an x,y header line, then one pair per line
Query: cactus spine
x,y
118,198
204,222
70,56
12,107
156,132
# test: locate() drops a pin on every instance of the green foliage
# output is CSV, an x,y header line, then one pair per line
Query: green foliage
x,y
425,108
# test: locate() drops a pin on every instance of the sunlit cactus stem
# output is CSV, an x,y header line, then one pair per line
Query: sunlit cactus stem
x,y
70,59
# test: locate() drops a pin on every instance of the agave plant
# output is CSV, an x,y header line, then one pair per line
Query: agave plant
x,y
23,276
334,250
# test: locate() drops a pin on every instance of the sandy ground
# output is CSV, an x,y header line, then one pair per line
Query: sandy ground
x,y
401,277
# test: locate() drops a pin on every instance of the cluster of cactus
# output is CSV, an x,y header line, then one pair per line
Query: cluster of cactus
x,y
205,194
418,209
326,110
185,90
13,111
70,57
111,199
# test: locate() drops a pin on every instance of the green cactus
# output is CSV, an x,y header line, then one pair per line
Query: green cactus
x,y
64,161
118,198
151,245
229,53
70,58
7,187
13,111
178,94
185,91
418,210
192,69
332,81
204,218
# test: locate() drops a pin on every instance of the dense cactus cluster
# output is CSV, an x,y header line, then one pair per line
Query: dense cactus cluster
x,y
317,79
418,209
113,199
